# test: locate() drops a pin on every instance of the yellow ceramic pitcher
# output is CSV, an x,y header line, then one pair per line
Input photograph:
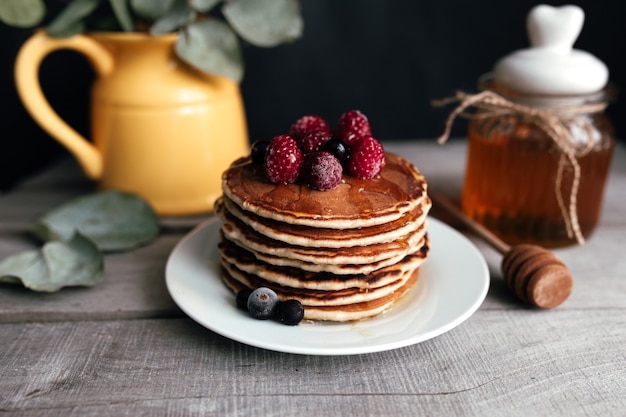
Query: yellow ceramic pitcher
x,y
160,128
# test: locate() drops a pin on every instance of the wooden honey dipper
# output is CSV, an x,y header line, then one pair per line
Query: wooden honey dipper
x,y
532,272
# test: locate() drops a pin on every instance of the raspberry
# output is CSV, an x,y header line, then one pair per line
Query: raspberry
x,y
313,141
367,158
283,160
307,124
352,125
322,171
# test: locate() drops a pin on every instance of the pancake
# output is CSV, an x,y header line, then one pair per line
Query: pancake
x,y
332,238
245,237
339,269
345,312
293,277
355,203
312,297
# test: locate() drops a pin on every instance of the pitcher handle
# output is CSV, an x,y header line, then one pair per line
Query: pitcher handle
x,y
28,61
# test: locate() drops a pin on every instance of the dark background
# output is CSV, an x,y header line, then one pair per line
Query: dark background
x,y
387,58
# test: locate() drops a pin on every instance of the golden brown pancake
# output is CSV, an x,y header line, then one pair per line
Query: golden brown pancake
x,y
325,259
332,238
294,277
346,312
355,203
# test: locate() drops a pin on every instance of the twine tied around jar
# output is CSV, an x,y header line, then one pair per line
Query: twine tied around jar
x,y
554,122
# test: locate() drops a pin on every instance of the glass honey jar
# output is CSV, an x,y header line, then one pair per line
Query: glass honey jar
x,y
539,142
519,181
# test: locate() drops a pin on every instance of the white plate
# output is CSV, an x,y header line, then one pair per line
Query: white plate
x,y
452,284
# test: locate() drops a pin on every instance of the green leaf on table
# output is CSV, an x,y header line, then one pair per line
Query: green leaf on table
x,y
265,23
113,220
120,9
211,46
27,266
177,16
77,262
70,21
22,13
151,9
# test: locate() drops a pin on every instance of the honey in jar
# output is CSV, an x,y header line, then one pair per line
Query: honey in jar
x,y
539,153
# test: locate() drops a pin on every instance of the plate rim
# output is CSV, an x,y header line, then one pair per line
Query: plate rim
x,y
212,225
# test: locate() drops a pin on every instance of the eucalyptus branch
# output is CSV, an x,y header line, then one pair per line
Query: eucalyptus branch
x,y
211,27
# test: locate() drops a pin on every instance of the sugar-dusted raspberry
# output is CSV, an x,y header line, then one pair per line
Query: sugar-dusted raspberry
x,y
307,124
283,160
367,158
352,125
322,171
313,141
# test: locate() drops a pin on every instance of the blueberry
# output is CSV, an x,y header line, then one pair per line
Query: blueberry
x,y
338,148
257,151
291,312
242,298
262,303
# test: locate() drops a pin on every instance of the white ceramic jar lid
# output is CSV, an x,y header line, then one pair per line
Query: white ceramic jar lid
x,y
551,66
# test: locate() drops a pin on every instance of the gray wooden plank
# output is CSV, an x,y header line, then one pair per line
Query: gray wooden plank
x,y
59,183
598,269
133,287
134,284
53,185
513,363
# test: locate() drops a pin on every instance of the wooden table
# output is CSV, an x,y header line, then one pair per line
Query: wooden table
x,y
123,348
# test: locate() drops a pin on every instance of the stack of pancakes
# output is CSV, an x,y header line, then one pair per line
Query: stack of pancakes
x,y
345,254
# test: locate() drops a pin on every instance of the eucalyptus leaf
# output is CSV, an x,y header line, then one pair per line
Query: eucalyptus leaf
x,y
203,6
77,262
68,30
120,9
151,9
177,16
27,266
211,46
70,21
113,220
105,23
22,13
265,23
